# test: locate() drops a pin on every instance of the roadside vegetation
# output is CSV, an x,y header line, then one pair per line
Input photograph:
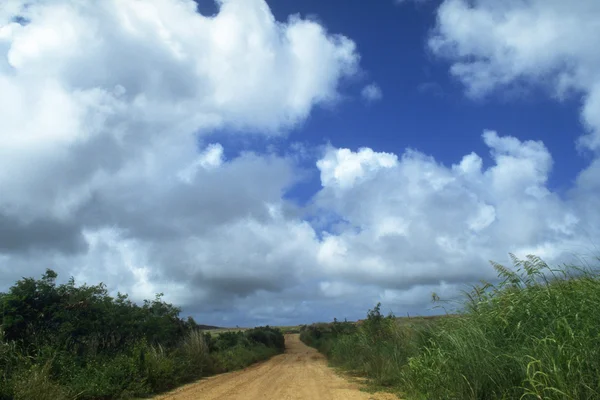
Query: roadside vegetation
x,y
77,342
534,335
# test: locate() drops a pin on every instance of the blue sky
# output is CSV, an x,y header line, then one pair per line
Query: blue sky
x,y
230,156
423,106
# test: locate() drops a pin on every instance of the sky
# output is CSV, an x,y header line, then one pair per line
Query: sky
x,y
284,162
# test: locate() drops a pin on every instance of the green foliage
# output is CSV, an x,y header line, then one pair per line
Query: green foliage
x,y
193,355
240,356
534,335
376,347
238,349
268,336
35,384
110,378
77,342
322,336
160,369
85,318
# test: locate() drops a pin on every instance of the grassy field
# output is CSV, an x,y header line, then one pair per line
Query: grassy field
x,y
218,331
284,329
534,335
290,329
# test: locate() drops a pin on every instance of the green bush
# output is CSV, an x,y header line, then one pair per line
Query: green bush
x,y
65,341
241,356
268,336
110,378
35,384
160,369
193,358
323,336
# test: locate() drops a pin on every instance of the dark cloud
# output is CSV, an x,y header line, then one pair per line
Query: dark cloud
x,y
17,236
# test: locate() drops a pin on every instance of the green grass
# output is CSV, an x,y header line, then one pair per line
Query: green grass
x,y
284,329
218,331
534,335
290,329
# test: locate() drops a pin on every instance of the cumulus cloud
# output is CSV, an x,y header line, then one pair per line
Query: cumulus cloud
x,y
372,92
551,43
410,221
104,172
120,78
344,167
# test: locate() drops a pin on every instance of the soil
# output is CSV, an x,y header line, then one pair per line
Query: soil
x,y
300,373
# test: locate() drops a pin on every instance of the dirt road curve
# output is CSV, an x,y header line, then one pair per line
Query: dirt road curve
x,y
301,373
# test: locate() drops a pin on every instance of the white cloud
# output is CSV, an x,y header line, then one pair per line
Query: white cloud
x,y
225,242
106,175
103,107
410,221
344,168
372,92
210,158
70,85
551,43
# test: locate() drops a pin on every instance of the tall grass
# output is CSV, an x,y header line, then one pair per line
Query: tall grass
x,y
35,383
377,348
194,357
160,369
536,334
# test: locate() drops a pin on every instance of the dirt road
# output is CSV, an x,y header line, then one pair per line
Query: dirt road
x,y
301,373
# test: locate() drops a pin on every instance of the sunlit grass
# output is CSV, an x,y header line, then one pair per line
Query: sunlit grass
x,y
534,335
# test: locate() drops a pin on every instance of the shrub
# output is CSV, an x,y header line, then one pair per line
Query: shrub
x,y
110,378
35,384
241,356
160,369
65,341
193,358
268,336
